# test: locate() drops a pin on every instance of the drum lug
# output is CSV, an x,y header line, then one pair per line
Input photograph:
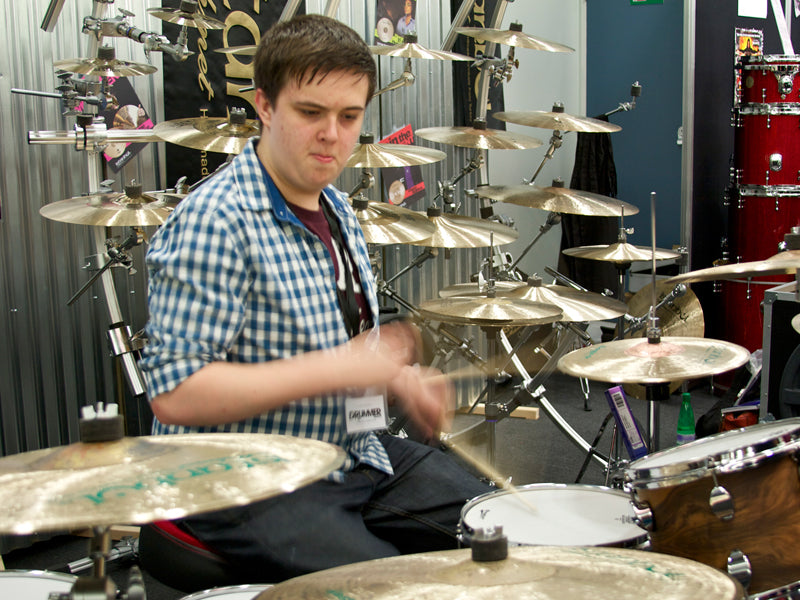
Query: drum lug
x,y
642,516
721,502
775,162
739,568
785,84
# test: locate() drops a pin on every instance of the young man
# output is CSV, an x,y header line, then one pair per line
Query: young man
x,y
262,311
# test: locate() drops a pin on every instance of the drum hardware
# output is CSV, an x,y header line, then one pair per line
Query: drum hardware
x,y
92,136
104,65
368,154
479,136
406,78
636,92
187,14
720,500
557,120
228,135
497,69
248,50
127,547
513,36
71,99
447,188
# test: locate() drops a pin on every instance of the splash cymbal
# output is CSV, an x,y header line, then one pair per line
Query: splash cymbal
x,y
186,14
513,36
619,252
384,223
367,154
458,231
411,49
478,136
105,65
480,309
636,360
557,198
211,134
784,263
143,479
540,572
556,120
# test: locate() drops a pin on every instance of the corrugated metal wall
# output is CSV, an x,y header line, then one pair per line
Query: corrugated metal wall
x,y
55,358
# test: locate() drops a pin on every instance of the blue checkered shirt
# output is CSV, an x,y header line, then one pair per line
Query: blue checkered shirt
x,y
235,276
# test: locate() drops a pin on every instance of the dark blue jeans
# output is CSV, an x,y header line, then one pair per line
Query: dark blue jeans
x,y
326,524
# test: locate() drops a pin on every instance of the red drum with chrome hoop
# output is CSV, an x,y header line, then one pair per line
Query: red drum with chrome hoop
x,y
767,152
770,78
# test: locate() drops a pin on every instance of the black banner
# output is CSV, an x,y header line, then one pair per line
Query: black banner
x,y
209,83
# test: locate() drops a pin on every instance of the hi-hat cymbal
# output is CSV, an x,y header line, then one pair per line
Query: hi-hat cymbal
x,y
784,263
486,310
105,65
576,305
541,572
211,134
367,154
143,479
636,360
620,252
411,49
458,231
478,136
513,36
186,14
557,198
384,223
558,121
249,50
128,209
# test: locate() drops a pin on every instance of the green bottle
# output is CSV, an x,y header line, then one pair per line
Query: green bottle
x,y
686,420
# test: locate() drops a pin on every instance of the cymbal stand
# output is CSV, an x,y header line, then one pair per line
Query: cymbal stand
x,y
447,188
553,218
636,323
555,143
406,78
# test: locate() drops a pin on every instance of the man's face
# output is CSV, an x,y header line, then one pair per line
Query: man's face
x,y
310,131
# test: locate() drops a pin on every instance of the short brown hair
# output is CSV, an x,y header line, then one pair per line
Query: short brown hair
x,y
308,46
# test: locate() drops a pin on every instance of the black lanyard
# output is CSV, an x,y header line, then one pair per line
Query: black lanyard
x,y
347,298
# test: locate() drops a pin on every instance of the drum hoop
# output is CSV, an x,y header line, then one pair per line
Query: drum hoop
x,y
769,191
690,470
770,108
757,62
786,591
54,575
225,590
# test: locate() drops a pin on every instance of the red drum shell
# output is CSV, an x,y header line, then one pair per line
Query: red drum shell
x,y
767,152
770,78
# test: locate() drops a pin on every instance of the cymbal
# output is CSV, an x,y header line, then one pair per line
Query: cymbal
x,y
558,121
541,572
143,479
368,154
478,136
211,134
187,14
557,198
384,223
619,252
458,231
576,305
105,65
249,50
114,210
784,263
480,309
796,323
513,36
472,288
411,49
635,360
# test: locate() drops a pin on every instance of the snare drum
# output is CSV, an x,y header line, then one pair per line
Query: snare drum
x,y
555,515
770,78
33,585
233,592
726,500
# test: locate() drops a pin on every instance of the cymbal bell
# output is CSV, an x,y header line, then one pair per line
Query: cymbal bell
x,y
384,223
478,136
187,14
556,120
513,36
129,209
783,263
144,479
411,49
576,305
480,309
636,360
104,65
620,252
228,135
458,231
540,572
557,198
368,154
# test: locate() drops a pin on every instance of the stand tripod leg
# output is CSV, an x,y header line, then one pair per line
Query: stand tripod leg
x,y
593,449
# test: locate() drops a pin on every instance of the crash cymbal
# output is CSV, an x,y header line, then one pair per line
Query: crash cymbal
x,y
636,360
211,134
129,209
556,120
620,252
480,309
540,572
238,50
784,263
513,36
473,288
105,65
457,231
186,14
384,223
478,136
411,49
143,479
557,198
576,305
367,154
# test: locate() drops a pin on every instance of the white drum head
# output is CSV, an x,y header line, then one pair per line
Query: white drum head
x,y
233,592
33,585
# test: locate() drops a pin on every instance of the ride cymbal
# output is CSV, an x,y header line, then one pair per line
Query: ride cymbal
x,y
619,252
384,223
540,572
784,263
458,231
187,14
367,154
411,49
105,65
636,360
487,310
513,36
211,134
556,120
557,198
144,479
478,136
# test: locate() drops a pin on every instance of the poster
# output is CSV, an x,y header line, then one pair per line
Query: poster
x,y
394,19
127,113
402,185
748,42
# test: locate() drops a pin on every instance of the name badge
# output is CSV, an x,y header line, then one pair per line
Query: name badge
x,y
366,413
